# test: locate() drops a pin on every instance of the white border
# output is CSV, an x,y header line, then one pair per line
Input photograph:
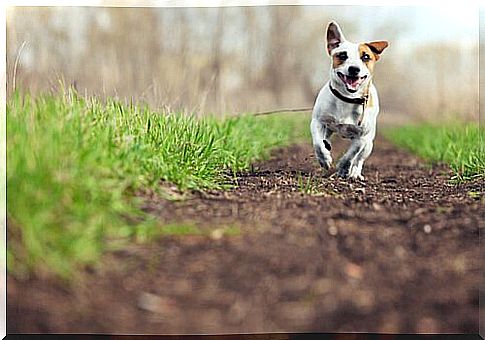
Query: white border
x,y
220,3
3,175
476,4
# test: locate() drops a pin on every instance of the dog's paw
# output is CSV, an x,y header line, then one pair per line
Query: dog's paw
x,y
342,173
326,163
358,177
343,169
355,173
325,160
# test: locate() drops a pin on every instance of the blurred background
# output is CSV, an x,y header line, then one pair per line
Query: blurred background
x,y
228,60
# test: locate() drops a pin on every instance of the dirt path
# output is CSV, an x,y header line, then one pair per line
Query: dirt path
x,y
398,253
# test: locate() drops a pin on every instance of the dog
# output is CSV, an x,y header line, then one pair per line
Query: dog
x,y
347,104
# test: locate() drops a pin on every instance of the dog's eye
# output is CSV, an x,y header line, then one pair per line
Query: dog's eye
x,y
365,57
342,56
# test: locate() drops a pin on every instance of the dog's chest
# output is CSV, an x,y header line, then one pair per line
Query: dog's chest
x,y
344,113
352,113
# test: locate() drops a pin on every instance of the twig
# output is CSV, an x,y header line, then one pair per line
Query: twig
x,y
304,109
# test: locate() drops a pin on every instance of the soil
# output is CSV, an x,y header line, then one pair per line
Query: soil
x,y
396,253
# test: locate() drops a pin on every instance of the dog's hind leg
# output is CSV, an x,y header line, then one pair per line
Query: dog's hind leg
x,y
348,160
351,164
321,143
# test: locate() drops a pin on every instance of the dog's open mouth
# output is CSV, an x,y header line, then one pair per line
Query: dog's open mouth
x,y
352,83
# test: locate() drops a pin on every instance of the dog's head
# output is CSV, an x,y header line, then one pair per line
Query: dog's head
x,y
352,64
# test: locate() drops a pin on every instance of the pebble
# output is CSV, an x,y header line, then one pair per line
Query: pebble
x,y
154,303
400,252
420,211
365,300
354,271
459,265
217,234
427,228
362,190
332,230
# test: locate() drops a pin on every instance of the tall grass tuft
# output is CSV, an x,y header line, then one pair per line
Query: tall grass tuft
x,y
461,146
74,163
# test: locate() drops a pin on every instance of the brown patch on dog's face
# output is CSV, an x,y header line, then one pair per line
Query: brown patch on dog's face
x,y
368,57
370,53
339,58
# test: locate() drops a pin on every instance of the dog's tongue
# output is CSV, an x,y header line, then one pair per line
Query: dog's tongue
x,y
353,83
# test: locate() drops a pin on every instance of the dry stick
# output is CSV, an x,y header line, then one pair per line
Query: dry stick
x,y
282,110
17,61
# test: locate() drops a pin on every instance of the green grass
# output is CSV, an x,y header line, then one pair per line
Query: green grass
x,y
461,146
74,164
309,185
185,229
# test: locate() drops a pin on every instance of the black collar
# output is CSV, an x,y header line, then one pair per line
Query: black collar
x,y
360,101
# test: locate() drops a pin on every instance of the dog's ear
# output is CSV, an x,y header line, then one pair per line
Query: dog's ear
x,y
334,36
377,47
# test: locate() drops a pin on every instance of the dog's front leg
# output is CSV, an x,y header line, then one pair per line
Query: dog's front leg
x,y
321,143
356,168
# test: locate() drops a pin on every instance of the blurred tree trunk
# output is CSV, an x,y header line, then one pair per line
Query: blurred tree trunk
x,y
252,31
280,68
217,57
183,37
276,61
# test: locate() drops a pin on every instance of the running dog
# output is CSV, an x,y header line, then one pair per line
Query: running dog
x,y
347,104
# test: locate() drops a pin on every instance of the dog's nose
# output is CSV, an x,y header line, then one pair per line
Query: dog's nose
x,y
353,70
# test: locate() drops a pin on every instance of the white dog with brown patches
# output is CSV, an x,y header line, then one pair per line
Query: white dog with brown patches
x,y
347,104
